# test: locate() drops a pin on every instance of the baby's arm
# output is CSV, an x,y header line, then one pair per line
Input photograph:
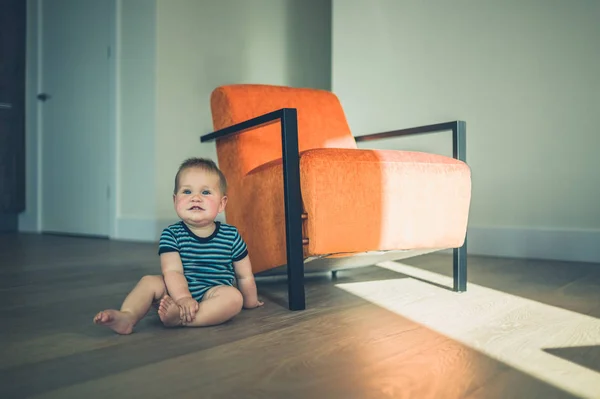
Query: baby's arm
x,y
246,283
172,270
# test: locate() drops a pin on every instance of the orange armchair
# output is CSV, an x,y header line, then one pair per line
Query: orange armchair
x,y
306,198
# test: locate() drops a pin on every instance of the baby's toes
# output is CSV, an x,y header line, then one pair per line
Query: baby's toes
x,y
166,301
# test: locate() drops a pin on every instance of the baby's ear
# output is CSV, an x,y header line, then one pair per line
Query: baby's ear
x,y
223,203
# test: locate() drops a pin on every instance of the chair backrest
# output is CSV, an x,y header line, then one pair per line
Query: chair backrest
x,y
321,124
321,121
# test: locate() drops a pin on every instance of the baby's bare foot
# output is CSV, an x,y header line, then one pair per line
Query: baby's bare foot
x,y
119,322
168,311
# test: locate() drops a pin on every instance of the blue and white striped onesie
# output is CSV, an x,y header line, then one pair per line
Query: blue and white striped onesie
x,y
208,261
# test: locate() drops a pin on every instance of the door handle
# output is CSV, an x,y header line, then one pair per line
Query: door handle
x,y
43,96
5,105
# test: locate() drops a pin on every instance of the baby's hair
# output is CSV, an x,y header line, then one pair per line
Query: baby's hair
x,y
206,165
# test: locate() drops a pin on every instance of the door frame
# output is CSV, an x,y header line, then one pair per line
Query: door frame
x,y
32,219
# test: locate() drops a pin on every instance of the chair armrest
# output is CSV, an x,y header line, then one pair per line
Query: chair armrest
x,y
291,192
261,120
458,128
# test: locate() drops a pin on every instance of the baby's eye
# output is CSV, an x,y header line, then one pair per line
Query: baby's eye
x,y
186,191
205,192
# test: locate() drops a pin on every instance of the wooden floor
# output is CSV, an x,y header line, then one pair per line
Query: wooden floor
x,y
392,330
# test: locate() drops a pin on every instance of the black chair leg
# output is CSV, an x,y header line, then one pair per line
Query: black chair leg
x,y
296,297
293,209
460,268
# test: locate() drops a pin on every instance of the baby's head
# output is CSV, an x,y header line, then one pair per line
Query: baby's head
x,y
200,192
204,164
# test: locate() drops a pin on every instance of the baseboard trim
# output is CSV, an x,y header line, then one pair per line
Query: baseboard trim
x,y
143,229
577,245
28,223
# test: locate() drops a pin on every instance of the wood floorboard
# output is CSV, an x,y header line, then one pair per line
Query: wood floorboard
x,y
569,285
511,383
343,346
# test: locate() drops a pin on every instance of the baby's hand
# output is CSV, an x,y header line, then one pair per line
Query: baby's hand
x,y
188,307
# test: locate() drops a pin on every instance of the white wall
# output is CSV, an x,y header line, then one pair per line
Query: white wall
x,y
136,119
524,75
29,220
170,55
174,53
204,44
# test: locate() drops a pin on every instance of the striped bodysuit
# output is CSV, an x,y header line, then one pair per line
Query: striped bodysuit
x,y
207,262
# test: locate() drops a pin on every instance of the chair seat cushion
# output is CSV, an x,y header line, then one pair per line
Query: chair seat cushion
x,y
363,200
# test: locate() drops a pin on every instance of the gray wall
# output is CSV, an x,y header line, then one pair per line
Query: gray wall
x,y
524,75
203,44
170,55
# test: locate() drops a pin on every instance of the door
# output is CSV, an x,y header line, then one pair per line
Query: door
x,y
76,119
12,110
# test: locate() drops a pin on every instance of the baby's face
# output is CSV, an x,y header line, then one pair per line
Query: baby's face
x,y
198,200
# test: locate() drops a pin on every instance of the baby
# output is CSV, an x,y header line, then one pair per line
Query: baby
x,y
200,260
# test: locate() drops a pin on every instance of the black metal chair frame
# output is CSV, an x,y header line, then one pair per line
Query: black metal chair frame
x,y
293,200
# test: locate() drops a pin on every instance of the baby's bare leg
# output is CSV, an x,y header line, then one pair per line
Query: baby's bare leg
x,y
218,305
148,290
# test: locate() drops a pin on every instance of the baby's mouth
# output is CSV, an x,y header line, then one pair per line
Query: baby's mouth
x,y
196,208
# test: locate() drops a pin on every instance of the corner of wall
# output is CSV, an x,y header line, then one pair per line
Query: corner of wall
x,y
29,221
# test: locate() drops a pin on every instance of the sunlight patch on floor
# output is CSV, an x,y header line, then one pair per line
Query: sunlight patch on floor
x,y
509,328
